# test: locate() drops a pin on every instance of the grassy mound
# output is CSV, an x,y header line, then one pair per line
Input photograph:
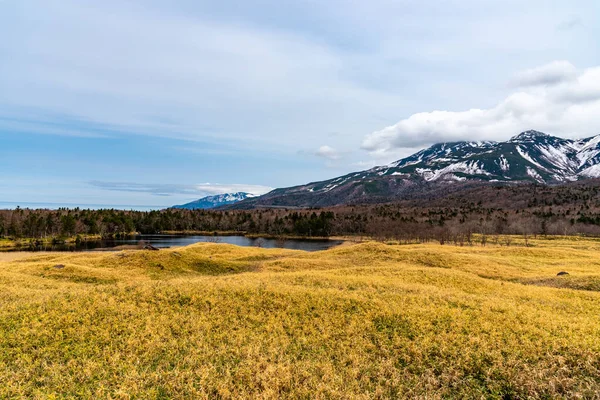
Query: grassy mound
x,y
362,321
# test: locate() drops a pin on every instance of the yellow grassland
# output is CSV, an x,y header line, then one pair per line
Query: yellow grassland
x,y
361,321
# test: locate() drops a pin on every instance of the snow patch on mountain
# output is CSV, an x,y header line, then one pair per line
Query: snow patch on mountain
x,y
465,167
504,165
526,156
534,174
530,135
591,172
559,156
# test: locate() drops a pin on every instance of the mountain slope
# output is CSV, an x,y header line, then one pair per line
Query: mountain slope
x,y
216,201
531,156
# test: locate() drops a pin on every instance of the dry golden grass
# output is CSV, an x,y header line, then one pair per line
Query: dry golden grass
x,y
14,255
361,321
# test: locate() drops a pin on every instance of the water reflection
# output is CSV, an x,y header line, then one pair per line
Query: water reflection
x,y
166,241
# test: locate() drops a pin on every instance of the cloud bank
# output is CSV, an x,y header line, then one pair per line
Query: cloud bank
x,y
550,74
163,189
556,98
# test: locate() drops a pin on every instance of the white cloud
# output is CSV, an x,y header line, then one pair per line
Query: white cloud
x,y
218,188
549,74
165,189
256,76
557,99
328,152
150,70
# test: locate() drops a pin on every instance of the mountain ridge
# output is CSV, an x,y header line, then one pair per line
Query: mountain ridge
x,y
215,201
530,156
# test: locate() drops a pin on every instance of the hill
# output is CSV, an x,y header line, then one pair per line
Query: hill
x,y
358,321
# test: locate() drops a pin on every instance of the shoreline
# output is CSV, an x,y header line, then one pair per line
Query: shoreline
x,y
29,245
264,236
7,244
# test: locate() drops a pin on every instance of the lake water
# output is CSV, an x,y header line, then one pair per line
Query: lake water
x,y
166,241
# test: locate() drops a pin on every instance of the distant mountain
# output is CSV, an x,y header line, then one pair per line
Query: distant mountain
x,y
216,201
531,156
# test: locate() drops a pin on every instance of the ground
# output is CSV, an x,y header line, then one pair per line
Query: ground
x,y
365,320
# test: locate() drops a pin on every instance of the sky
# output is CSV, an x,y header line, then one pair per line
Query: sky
x,y
153,103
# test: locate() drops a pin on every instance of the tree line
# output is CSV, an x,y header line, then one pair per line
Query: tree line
x,y
406,222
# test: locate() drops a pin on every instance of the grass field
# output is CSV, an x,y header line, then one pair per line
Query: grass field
x,y
360,321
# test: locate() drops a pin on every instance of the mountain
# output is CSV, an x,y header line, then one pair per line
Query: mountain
x,y
531,156
216,201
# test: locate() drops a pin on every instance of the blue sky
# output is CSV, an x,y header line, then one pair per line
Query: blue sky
x,y
158,103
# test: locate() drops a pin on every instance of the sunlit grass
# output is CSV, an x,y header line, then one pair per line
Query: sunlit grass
x,y
359,321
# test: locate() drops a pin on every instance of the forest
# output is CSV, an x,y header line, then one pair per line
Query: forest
x,y
489,211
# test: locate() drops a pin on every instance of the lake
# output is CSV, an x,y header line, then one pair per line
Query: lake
x,y
166,241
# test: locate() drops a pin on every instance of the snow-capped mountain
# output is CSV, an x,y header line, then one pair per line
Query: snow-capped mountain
x,y
216,201
531,156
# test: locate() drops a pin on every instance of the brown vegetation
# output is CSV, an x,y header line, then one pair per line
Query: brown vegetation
x,y
365,321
